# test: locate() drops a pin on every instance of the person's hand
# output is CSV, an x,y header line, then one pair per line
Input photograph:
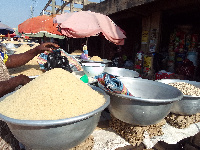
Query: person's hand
x,y
23,79
45,47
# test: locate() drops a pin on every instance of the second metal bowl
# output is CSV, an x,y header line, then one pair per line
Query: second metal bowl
x,y
188,105
150,103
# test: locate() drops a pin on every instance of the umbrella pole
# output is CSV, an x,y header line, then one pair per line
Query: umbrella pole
x,y
44,38
8,36
86,42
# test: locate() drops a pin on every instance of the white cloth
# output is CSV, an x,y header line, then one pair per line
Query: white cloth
x,y
108,140
171,135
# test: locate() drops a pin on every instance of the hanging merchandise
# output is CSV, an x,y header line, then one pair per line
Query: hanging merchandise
x,y
145,35
180,57
186,69
139,61
153,40
194,41
182,45
147,63
188,42
179,41
171,42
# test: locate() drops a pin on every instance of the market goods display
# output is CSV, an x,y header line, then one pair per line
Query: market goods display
x,y
77,52
135,134
55,60
179,121
67,97
186,88
96,58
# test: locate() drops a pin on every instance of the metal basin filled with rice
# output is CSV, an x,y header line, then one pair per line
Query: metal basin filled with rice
x,y
150,103
56,134
189,104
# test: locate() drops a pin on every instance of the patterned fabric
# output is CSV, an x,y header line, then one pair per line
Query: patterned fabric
x,y
4,56
4,74
7,140
112,84
74,64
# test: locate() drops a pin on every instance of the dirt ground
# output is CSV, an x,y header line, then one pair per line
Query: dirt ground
x,y
93,142
190,143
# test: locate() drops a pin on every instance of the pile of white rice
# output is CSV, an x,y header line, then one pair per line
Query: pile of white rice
x,y
56,94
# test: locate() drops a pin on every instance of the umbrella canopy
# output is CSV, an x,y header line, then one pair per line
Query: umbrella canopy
x,y
86,23
4,29
39,26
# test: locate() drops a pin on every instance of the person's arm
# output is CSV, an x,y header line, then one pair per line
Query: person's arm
x,y
10,85
17,60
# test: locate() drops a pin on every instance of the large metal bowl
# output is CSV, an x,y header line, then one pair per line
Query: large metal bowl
x,y
79,74
188,105
151,102
121,72
10,51
56,134
93,69
104,61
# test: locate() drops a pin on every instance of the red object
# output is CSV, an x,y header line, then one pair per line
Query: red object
x,y
37,24
11,35
186,69
163,75
86,23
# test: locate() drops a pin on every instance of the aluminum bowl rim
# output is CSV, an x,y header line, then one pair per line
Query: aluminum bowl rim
x,y
160,101
43,123
190,96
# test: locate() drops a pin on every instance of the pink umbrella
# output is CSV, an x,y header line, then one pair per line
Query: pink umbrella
x,y
86,23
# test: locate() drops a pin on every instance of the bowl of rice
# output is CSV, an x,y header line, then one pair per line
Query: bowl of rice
x,y
93,69
97,59
59,111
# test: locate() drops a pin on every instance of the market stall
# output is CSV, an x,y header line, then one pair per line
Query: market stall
x,y
119,109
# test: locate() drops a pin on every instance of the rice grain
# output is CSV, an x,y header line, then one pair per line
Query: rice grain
x,y
56,94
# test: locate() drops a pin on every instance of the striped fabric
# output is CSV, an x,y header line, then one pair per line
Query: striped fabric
x,y
112,84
